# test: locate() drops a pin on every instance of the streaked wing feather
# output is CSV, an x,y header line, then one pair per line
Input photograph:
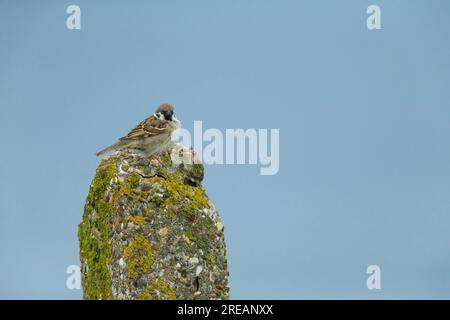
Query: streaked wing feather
x,y
151,126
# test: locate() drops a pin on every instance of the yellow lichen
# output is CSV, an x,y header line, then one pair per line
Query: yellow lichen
x,y
139,220
182,197
139,257
94,250
158,290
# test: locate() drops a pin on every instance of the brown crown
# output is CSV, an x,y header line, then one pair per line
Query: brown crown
x,y
164,107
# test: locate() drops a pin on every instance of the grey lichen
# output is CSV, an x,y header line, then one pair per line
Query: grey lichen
x,y
149,231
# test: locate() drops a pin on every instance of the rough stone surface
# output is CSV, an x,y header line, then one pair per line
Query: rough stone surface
x,y
149,231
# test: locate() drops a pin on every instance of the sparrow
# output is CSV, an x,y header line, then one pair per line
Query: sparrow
x,y
150,137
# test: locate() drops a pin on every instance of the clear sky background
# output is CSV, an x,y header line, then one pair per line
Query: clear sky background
x,y
364,135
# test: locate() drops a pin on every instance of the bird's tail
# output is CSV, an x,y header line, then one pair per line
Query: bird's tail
x,y
112,147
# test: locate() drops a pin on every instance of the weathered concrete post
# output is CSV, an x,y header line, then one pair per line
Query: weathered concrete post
x,y
149,231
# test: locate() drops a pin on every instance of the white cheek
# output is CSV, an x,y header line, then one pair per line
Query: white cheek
x,y
176,122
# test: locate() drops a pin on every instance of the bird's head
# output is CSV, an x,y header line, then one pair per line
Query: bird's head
x,y
165,111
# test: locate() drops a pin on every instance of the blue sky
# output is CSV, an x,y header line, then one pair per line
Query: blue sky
x,y
364,135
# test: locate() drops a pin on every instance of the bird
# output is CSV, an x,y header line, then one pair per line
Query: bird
x,y
152,136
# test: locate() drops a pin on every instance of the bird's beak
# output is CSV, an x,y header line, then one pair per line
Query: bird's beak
x,y
168,116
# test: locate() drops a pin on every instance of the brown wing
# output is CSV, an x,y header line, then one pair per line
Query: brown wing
x,y
152,126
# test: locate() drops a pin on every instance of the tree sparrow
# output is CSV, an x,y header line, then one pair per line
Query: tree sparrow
x,y
152,136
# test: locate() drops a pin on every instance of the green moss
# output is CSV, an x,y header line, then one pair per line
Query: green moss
x,y
93,234
156,198
138,220
189,234
133,180
185,201
166,159
129,187
157,290
210,260
178,192
198,171
225,295
123,154
147,212
203,242
139,257
125,189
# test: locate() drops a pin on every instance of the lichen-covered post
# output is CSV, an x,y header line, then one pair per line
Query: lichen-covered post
x,y
149,231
